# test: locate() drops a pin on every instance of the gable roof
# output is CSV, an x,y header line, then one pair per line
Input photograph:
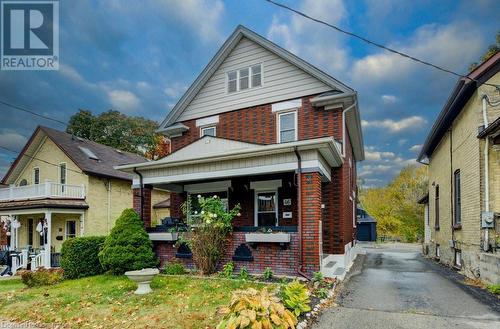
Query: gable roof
x,y
74,148
463,91
239,33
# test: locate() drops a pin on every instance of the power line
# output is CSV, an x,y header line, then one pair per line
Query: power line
x,y
376,43
35,158
32,112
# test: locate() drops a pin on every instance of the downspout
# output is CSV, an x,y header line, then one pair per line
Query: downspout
x,y
344,125
108,187
452,187
486,173
142,192
299,210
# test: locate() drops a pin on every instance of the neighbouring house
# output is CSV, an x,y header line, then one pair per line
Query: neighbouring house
x,y
462,151
427,225
366,227
262,128
61,186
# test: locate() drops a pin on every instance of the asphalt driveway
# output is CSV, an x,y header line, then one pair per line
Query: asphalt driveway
x,y
394,287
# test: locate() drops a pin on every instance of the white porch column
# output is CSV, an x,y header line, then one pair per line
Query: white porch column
x,y
82,224
48,245
12,241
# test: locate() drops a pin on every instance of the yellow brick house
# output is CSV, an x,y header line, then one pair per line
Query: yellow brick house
x,y
61,186
462,151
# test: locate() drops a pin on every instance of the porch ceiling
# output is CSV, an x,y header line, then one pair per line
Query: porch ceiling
x,y
212,158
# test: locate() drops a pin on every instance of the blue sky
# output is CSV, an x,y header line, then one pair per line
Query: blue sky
x,y
140,56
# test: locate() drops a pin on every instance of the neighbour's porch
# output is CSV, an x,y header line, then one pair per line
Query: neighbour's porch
x,y
35,236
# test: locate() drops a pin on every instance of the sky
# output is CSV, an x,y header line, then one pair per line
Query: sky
x,y
139,57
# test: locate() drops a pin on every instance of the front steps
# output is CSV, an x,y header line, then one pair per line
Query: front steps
x,y
337,265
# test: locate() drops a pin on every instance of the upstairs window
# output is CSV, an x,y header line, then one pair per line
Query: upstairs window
x,y
287,127
62,173
244,78
208,131
36,176
457,198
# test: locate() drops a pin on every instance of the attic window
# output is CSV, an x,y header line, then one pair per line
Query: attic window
x,y
244,78
88,153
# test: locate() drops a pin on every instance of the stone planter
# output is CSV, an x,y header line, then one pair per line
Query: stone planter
x,y
267,238
143,279
164,236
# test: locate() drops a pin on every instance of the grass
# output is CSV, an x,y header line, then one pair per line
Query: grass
x,y
108,302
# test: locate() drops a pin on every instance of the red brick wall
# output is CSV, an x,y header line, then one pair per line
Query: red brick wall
x,y
136,195
281,261
3,236
311,221
258,125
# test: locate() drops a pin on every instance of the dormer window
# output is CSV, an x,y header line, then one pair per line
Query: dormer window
x,y
244,78
208,131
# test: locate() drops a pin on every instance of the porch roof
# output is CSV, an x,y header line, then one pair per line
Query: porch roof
x,y
43,203
214,157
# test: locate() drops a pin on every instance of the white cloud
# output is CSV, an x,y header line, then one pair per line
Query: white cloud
x,y
377,155
175,90
415,148
442,45
396,126
316,43
12,140
123,100
389,99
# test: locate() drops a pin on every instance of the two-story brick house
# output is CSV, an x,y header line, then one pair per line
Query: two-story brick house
x,y
262,128
463,156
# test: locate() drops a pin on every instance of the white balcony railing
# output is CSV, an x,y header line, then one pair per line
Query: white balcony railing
x,y
42,191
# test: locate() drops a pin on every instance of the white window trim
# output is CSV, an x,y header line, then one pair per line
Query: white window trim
x,y
208,121
34,169
268,186
278,138
250,84
65,172
66,228
287,105
202,129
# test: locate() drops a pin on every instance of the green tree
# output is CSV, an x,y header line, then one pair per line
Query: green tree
x,y
395,206
128,246
115,129
492,50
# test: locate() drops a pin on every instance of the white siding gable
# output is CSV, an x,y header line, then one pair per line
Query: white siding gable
x,y
281,80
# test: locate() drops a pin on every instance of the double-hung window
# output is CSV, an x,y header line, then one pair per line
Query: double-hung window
x,y
457,197
36,176
267,210
436,207
244,78
62,175
287,127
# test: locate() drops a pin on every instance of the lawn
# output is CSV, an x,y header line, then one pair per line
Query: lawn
x,y
108,302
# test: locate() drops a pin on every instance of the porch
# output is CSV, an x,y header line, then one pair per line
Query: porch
x,y
35,236
279,188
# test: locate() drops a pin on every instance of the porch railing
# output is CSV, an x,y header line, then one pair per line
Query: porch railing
x,y
42,191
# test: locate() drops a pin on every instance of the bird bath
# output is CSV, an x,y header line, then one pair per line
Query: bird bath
x,y
143,279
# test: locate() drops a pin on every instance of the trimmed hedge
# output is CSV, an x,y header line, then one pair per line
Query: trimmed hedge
x,y
80,257
128,246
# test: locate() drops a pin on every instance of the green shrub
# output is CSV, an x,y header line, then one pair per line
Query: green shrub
x,y
253,309
127,247
322,293
317,277
494,289
80,256
228,270
174,268
42,277
296,297
244,275
268,274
